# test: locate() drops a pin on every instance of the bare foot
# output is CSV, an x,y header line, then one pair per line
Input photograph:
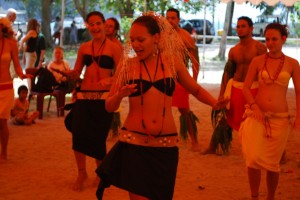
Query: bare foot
x,y
196,148
81,178
208,151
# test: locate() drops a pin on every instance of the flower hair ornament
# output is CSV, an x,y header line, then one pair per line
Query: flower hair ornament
x,y
170,47
6,28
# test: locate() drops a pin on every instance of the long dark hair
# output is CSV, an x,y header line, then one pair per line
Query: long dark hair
x,y
117,26
149,22
32,24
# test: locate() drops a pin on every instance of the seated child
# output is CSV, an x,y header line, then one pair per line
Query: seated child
x,y
58,66
19,113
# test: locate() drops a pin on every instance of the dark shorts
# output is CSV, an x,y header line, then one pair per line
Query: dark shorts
x,y
146,171
56,35
90,125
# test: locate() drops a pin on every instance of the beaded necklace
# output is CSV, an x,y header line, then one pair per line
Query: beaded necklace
x,y
142,93
100,49
279,68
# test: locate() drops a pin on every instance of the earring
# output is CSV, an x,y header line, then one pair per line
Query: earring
x,y
155,51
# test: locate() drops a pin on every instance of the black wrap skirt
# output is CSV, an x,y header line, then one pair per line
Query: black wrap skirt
x,y
90,127
146,171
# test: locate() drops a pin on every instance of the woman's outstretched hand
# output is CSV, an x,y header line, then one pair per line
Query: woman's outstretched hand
x,y
127,90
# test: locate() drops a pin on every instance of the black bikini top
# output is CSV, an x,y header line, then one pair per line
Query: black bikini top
x,y
166,88
103,61
165,85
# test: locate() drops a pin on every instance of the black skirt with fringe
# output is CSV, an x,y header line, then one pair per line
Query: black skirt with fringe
x,y
90,127
146,171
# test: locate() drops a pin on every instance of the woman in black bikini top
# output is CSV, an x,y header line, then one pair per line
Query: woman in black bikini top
x,y
90,122
148,140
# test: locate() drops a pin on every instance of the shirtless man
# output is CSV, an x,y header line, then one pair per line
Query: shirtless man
x,y
240,56
181,96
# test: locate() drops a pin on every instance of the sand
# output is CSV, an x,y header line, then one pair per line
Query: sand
x,y
41,164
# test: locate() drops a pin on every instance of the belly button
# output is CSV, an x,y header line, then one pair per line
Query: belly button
x,y
154,121
270,100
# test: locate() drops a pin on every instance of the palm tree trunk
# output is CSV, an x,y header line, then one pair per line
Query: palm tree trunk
x,y
227,24
46,19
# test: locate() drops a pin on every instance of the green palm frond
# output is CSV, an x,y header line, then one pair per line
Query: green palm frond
x,y
222,135
184,125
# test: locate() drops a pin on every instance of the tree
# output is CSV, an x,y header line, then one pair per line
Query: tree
x,y
46,19
41,8
227,24
48,9
295,18
33,8
82,7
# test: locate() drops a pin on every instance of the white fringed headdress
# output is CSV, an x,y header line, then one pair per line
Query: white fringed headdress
x,y
171,48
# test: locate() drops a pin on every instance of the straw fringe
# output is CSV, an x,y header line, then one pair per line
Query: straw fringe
x,y
171,47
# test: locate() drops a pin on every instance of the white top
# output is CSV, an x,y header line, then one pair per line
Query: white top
x,y
64,66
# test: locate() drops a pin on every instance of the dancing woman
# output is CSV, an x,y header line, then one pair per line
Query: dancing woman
x,y
144,160
265,131
90,120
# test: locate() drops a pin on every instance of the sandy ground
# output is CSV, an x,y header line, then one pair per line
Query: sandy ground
x,y
41,164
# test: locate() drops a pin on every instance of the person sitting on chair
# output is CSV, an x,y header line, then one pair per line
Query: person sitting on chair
x,y
57,67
